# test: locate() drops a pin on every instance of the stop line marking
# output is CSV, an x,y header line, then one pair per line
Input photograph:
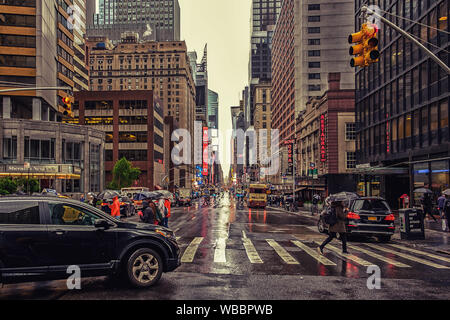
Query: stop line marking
x,y
282,252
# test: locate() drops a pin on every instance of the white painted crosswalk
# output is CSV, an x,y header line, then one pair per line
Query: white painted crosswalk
x,y
362,254
282,252
190,251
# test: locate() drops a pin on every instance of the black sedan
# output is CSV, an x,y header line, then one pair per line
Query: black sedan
x,y
367,216
41,237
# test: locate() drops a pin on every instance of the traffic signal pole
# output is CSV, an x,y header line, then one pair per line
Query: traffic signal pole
x,y
441,63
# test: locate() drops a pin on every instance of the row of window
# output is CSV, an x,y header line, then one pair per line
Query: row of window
x,y
17,61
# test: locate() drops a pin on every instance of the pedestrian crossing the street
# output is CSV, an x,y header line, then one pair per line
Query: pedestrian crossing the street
x,y
296,252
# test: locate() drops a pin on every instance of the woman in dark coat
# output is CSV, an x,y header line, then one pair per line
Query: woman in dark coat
x,y
339,227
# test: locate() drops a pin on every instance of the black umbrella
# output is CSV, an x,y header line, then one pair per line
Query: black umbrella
x,y
342,196
153,195
108,194
142,195
423,190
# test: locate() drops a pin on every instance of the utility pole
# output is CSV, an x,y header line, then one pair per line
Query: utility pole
x,y
441,63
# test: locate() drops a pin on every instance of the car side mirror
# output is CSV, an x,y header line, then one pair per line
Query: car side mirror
x,y
101,224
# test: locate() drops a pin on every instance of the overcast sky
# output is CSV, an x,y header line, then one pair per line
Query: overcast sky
x,y
225,26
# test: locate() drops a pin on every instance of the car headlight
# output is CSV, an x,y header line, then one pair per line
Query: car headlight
x,y
166,234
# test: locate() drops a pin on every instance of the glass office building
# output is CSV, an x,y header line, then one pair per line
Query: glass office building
x,y
153,19
402,103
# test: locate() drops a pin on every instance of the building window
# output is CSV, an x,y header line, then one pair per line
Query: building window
x,y
313,53
314,30
313,18
314,87
314,64
313,42
350,131
312,76
10,148
312,7
351,160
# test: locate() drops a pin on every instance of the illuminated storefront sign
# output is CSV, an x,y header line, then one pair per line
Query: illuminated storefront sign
x,y
205,151
323,147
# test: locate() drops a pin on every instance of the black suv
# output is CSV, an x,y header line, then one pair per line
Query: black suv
x,y
367,216
40,237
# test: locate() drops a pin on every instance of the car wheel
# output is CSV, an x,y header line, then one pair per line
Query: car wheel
x,y
384,238
144,268
321,226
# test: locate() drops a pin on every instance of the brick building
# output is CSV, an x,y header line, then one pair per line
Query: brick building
x,y
326,141
134,125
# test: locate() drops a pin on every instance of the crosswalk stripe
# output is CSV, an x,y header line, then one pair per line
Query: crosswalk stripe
x,y
420,252
252,254
351,257
282,252
189,253
219,252
313,253
380,257
407,256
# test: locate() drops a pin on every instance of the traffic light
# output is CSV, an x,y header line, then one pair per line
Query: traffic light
x,y
67,104
366,48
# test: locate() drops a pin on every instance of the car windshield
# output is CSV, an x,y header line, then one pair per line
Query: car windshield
x,y
371,204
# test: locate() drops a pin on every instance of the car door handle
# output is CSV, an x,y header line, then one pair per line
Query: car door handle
x,y
59,232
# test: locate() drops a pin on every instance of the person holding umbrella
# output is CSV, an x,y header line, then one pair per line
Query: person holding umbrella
x,y
338,227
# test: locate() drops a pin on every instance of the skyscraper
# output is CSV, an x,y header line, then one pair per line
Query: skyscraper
x,y
213,109
153,19
264,15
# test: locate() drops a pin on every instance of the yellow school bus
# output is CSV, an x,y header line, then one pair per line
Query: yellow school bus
x,y
257,196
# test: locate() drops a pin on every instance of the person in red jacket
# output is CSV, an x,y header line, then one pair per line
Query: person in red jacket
x,y
167,216
115,208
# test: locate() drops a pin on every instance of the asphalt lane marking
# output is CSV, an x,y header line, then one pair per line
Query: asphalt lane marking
x,y
420,252
252,254
189,253
351,257
323,260
407,256
219,252
379,257
282,252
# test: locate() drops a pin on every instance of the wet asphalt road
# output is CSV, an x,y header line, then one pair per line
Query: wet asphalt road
x,y
271,254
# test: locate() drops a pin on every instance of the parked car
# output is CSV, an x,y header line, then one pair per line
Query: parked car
x,y
367,216
40,237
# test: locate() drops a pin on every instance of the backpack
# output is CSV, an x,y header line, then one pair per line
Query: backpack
x,y
159,216
330,216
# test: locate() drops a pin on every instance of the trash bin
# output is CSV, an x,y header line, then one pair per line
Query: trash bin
x,y
411,224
